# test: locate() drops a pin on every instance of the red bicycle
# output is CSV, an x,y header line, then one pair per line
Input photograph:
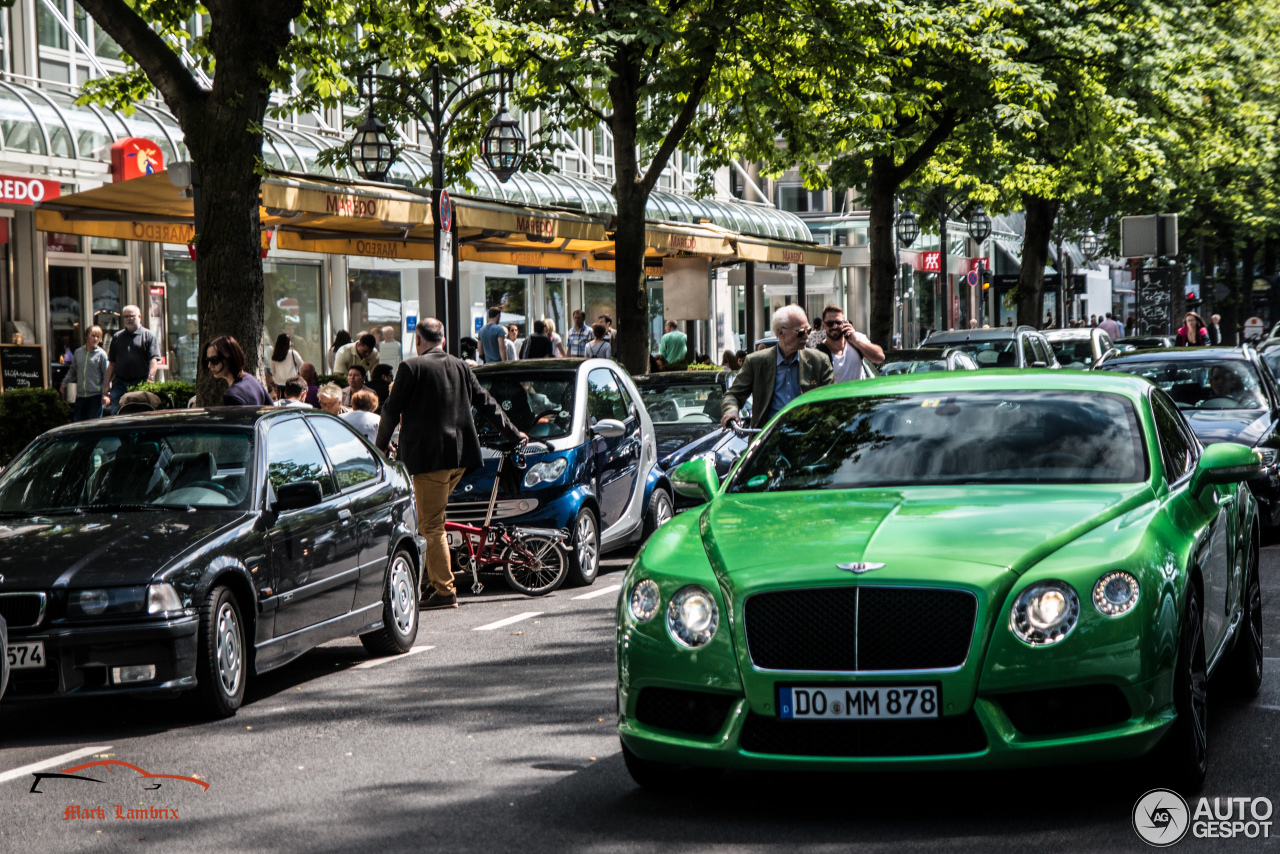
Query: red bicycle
x,y
534,561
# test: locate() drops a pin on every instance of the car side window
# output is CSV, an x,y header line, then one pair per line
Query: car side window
x,y
1176,449
626,398
293,455
1044,350
1028,351
604,398
353,462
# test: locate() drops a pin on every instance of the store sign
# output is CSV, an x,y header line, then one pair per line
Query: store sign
x,y
26,190
134,157
932,262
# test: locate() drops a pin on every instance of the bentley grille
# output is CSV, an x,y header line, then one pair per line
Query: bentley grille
x,y
860,629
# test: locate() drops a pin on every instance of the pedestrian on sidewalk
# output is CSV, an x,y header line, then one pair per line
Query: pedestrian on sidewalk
x,y
538,345
307,373
389,352
285,361
363,352
380,382
846,347
89,373
431,401
361,416
579,335
777,375
292,394
557,346
330,397
514,342
132,357
492,338
341,339
674,348
599,347
224,358
355,382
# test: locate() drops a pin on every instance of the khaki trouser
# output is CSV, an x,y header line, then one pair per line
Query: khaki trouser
x,y
431,492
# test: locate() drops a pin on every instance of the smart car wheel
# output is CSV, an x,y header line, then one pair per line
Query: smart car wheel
x,y
399,610
660,512
584,562
1186,748
1241,673
222,662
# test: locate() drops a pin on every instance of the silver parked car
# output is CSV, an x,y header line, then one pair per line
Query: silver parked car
x,y
1079,349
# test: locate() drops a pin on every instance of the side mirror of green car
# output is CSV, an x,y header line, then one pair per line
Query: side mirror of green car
x,y
696,479
1226,462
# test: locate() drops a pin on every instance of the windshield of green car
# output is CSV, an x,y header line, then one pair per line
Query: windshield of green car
x,y
540,405
1029,437
1200,384
162,468
682,402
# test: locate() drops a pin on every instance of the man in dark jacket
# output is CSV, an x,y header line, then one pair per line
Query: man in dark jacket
x,y
431,400
538,345
777,375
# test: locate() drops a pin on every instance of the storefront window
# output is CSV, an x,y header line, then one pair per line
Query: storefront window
x,y
375,301
66,290
108,298
554,305
656,320
293,306
184,350
600,298
107,246
508,295
54,242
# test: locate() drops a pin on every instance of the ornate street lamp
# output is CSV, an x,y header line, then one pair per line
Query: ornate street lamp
x,y
1089,244
979,224
908,228
371,150
502,147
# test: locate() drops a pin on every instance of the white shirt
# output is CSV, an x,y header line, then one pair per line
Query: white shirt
x,y
365,422
284,401
847,365
287,369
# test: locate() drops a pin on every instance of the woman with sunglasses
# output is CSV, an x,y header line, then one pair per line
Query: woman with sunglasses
x,y
225,360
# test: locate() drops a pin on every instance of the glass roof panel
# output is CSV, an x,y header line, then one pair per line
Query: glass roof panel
x,y
294,163
18,124
92,134
54,121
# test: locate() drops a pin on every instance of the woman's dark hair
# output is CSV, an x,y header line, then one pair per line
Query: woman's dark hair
x,y
1199,320
383,370
232,355
360,369
343,337
281,351
599,331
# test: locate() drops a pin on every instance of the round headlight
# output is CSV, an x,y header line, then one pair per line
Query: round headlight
x,y
645,600
692,617
1045,613
92,602
1115,593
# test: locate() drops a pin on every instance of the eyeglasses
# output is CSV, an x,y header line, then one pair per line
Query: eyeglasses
x,y
832,323
804,331
212,360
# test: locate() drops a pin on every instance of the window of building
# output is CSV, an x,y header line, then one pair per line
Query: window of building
x,y
795,198
554,305
109,293
375,302
600,298
510,296
66,297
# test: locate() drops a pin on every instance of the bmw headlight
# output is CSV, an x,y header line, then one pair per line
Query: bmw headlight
x,y
1045,613
105,601
692,616
1115,593
545,472
645,600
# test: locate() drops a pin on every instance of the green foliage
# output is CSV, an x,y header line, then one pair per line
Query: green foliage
x,y
703,366
338,379
175,394
25,413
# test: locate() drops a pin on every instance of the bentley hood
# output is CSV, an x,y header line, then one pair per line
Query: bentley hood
x,y
99,548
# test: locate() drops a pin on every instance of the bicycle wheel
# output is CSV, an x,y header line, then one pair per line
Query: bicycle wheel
x,y
534,565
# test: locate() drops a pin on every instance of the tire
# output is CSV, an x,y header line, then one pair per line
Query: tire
x,y
665,777
1241,674
550,565
399,610
661,510
584,557
1185,750
222,663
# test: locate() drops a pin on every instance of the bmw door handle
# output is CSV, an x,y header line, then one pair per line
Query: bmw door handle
x,y
344,515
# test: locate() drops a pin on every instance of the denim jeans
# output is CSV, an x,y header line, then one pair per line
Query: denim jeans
x,y
87,407
119,388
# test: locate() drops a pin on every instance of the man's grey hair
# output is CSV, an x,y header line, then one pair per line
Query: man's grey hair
x,y
784,314
431,331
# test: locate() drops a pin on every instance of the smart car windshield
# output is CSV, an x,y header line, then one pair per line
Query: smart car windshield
x,y
682,402
1207,384
130,467
541,405
967,438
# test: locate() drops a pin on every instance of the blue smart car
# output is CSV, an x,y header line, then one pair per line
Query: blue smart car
x,y
591,459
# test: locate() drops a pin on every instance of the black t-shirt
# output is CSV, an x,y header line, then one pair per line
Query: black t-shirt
x,y
538,347
132,352
246,391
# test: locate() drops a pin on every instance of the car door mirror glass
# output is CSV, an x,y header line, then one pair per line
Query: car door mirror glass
x,y
696,479
298,495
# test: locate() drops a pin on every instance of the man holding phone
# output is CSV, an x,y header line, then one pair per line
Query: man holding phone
x,y
845,346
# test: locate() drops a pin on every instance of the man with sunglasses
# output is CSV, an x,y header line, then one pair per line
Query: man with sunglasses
x,y
845,346
777,375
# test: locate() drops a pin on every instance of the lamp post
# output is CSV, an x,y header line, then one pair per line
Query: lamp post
x,y
502,148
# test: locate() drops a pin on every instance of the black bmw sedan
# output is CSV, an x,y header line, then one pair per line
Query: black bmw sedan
x,y
186,551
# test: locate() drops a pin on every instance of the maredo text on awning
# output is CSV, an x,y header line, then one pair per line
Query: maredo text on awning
x,y
27,189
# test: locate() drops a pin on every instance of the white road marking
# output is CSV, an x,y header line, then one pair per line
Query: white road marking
x,y
374,662
602,592
508,621
52,763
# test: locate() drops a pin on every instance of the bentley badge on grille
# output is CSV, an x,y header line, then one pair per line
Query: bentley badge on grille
x,y
859,567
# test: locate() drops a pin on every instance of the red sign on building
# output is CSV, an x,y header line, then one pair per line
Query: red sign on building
x,y
932,262
27,189
134,157
978,264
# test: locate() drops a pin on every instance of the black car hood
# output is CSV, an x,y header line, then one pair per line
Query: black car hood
x,y
100,548
1246,426
673,437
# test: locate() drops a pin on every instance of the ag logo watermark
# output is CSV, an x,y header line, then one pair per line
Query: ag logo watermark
x,y
1162,818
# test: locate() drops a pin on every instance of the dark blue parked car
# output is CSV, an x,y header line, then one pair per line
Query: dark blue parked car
x,y
591,460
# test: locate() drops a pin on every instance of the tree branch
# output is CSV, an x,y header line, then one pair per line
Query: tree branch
x,y
575,92
152,53
672,140
946,124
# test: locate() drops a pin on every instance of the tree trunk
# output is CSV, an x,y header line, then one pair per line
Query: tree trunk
x,y
1041,213
880,193
629,243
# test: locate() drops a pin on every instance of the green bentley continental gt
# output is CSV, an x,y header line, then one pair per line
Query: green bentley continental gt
x,y
947,570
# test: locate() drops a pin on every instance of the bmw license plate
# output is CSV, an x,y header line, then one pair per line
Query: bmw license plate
x,y
26,656
858,702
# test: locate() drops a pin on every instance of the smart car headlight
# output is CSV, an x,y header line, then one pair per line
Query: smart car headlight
x,y
692,616
1045,613
1115,593
645,600
545,472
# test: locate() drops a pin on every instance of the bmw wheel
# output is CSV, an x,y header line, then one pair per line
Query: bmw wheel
x,y
1242,671
399,610
661,511
584,561
1186,748
222,662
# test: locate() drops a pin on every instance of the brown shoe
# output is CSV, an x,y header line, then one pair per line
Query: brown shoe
x,y
439,600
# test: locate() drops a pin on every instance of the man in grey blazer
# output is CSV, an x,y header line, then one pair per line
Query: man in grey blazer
x,y
775,376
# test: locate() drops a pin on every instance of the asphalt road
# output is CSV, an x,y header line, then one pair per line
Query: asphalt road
x,y
497,739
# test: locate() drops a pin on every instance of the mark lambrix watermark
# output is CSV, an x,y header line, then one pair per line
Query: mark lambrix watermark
x,y
1162,818
91,772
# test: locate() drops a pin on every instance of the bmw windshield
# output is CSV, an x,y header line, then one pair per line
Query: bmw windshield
x,y
1196,384
1027,437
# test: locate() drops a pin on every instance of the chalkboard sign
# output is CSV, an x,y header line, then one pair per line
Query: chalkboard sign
x,y
21,366
1154,302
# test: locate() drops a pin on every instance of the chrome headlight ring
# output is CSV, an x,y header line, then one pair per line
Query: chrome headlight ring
x,y
1115,593
1045,613
692,617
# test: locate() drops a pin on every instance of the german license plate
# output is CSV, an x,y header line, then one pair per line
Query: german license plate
x,y
26,656
455,539
858,702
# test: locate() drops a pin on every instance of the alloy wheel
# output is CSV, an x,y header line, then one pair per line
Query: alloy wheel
x,y
664,512
588,548
229,649
404,607
1199,695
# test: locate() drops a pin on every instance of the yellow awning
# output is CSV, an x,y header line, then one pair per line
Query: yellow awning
x,y
664,238
785,252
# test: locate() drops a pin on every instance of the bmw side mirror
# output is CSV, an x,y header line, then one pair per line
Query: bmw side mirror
x,y
298,495
1226,462
696,479
609,428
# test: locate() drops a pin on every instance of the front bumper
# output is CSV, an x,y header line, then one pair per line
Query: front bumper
x,y
80,658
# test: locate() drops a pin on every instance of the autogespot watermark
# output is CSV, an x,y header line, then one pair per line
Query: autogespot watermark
x,y
1162,818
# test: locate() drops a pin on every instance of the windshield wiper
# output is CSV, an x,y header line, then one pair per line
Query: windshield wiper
x,y
43,511
113,507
